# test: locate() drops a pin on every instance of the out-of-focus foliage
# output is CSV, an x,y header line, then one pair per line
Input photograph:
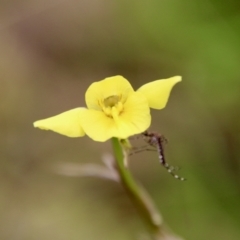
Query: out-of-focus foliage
x,y
50,51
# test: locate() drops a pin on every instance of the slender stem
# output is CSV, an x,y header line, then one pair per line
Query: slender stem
x,y
135,191
140,197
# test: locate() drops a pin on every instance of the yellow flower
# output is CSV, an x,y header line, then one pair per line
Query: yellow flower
x,y
114,109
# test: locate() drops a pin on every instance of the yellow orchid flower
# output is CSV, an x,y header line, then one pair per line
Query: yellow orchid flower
x,y
114,109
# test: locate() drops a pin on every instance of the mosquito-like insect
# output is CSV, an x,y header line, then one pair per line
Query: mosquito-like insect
x,y
156,140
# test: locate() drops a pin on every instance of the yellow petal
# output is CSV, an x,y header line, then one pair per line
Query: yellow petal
x,y
157,92
97,125
111,86
66,123
134,119
136,116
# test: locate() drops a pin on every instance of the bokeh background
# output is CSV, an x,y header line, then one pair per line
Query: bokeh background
x,y
51,51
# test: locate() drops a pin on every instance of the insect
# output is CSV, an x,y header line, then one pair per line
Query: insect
x,y
156,140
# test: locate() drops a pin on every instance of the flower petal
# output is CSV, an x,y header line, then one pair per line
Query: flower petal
x,y
111,86
97,125
157,92
134,119
66,123
136,116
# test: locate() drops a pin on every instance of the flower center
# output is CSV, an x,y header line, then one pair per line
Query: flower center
x,y
112,106
111,101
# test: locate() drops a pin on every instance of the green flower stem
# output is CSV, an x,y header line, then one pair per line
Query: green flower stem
x,y
139,196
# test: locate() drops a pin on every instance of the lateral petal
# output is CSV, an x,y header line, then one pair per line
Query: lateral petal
x,y
98,126
157,92
136,116
67,123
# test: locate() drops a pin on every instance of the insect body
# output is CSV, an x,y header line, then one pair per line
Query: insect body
x,y
156,140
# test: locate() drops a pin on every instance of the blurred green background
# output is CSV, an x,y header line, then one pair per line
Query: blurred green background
x,y
51,51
